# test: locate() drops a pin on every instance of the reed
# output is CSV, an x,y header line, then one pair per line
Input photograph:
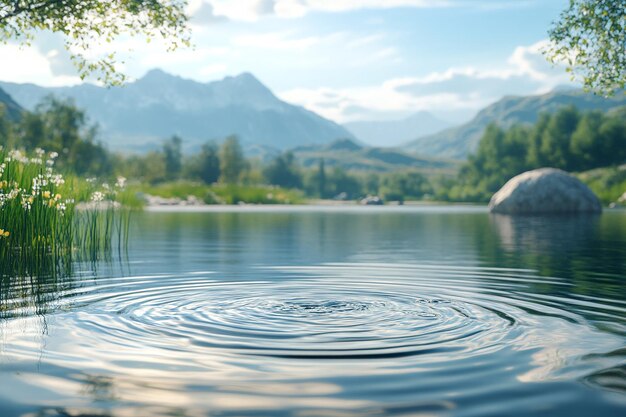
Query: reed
x,y
48,221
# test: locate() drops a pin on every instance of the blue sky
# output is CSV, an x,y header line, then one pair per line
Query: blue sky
x,y
345,59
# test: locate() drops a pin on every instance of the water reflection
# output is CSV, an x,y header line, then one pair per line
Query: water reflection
x,y
402,312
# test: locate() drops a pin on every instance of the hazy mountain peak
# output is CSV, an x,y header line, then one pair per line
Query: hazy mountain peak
x,y
246,78
159,105
158,75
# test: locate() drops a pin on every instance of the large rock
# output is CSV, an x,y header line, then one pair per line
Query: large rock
x,y
545,190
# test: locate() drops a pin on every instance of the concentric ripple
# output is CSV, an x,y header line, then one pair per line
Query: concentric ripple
x,y
348,336
308,317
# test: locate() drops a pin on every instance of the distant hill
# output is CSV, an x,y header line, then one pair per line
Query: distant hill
x,y
13,110
160,105
396,132
459,142
349,155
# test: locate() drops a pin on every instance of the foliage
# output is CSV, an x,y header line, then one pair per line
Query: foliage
x,y
590,37
609,184
233,164
206,165
173,156
86,24
566,139
399,186
58,126
283,172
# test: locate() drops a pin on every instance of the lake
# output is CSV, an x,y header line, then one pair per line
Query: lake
x,y
322,311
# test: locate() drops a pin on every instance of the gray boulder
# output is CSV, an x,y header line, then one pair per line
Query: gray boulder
x,y
545,190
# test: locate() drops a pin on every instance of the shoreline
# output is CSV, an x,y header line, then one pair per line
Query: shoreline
x,y
318,207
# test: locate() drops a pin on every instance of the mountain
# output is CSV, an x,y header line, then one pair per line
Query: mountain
x,y
13,110
349,155
458,142
396,132
160,105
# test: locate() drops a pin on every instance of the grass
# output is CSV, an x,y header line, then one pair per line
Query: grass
x,y
609,184
222,193
48,220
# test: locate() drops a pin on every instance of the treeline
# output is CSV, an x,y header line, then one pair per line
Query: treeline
x,y
227,164
567,139
57,125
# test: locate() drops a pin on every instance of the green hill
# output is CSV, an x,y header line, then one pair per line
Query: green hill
x,y
12,109
349,155
458,142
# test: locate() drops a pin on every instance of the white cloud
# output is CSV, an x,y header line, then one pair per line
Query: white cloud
x,y
25,65
204,14
253,9
456,89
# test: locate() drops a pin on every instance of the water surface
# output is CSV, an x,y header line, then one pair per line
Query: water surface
x,y
431,311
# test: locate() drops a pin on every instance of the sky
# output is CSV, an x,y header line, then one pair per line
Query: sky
x,y
344,59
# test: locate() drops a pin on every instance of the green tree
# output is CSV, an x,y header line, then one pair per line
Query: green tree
x,y
320,179
232,161
148,168
6,127
404,185
32,130
59,126
206,165
590,37
534,156
555,141
283,171
85,23
173,156
612,137
584,141
339,181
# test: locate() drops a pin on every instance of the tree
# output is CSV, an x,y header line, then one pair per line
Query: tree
x,y
173,156
339,181
283,171
209,171
86,23
321,179
555,142
59,126
232,161
402,185
590,37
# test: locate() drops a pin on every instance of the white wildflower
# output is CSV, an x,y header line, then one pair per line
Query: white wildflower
x,y
57,180
97,196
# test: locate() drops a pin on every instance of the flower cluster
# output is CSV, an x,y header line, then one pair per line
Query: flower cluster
x,y
31,181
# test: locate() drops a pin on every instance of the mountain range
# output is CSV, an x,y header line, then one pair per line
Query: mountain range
x,y
144,112
397,132
458,142
12,109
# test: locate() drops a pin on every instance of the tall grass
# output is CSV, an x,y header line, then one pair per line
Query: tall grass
x,y
47,220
